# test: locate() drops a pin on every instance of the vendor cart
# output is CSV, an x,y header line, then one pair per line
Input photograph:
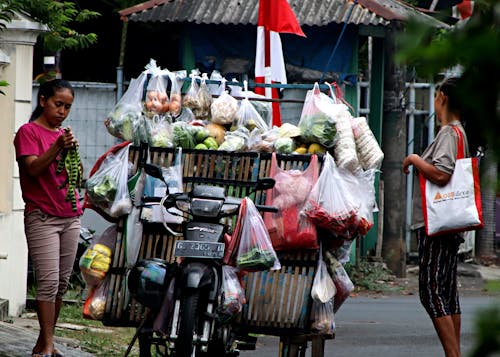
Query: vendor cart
x,y
277,302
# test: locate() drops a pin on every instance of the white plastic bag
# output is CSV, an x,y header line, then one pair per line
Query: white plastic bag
x,y
107,188
323,288
233,294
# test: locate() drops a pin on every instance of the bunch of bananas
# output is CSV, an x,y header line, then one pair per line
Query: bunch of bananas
x,y
70,160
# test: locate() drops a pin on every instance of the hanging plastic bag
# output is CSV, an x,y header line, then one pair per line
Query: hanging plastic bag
x,y
255,250
204,100
236,140
133,236
107,187
156,101
343,283
368,150
160,132
323,288
216,89
233,296
224,107
191,99
95,304
248,117
331,205
288,228
323,317
97,258
156,188
317,120
176,82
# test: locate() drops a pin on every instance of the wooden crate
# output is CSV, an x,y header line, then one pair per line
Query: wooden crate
x,y
272,299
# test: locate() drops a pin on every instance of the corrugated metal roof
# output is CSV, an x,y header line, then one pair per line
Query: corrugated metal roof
x,y
308,12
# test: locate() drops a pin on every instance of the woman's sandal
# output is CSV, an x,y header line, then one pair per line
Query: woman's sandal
x,y
40,355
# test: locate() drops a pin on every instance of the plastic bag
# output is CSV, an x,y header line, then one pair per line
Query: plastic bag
x,y
96,260
156,188
204,100
107,187
341,280
233,296
191,99
323,317
323,288
288,228
160,132
122,120
95,304
236,140
156,101
224,109
255,250
176,82
248,117
332,205
369,152
216,89
317,120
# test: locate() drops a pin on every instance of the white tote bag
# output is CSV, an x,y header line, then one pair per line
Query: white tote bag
x,y
455,207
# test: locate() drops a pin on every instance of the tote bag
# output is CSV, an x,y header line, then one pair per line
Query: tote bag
x,y
455,207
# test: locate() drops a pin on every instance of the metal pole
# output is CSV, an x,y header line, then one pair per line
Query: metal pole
x,y
432,115
119,83
409,177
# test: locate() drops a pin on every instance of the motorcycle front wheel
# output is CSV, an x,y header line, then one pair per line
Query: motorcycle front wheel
x,y
188,324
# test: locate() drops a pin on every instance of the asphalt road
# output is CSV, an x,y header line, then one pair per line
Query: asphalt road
x,y
391,326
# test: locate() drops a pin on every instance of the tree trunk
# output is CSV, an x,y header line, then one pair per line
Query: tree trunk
x,y
394,147
485,238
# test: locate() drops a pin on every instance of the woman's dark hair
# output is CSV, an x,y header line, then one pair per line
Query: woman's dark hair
x,y
451,88
47,90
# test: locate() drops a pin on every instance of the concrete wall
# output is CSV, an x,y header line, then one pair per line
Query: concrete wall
x,y
16,45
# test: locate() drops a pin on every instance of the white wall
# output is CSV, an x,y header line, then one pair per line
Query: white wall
x,y
16,44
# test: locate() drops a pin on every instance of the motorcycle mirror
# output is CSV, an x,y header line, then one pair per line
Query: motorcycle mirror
x,y
265,183
154,171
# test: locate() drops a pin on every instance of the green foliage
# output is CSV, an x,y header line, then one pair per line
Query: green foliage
x,y
487,326
59,18
475,46
371,276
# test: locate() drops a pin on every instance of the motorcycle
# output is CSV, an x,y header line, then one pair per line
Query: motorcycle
x,y
195,327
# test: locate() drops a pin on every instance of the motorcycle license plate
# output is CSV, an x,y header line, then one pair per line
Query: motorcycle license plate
x,y
194,249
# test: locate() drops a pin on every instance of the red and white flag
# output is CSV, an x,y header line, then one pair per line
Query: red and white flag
x,y
465,9
275,16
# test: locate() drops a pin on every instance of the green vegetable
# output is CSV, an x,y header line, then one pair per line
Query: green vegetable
x,y
182,136
284,145
201,133
318,128
211,143
201,146
102,193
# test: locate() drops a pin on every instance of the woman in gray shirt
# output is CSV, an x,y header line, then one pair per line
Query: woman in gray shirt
x,y
438,256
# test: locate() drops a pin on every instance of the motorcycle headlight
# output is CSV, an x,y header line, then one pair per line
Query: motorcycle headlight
x,y
205,208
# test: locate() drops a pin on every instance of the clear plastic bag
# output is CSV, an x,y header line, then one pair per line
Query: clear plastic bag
x,y
255,250
224,108
323,288
176,82
323,317
95,304
317,120
191,99
369,152
122,120
343,284
204,100
332,204
233,295
156,101
96,260
160,132
288,228
107,188
247,116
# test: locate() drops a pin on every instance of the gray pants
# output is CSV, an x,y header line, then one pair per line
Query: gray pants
x,y
52,245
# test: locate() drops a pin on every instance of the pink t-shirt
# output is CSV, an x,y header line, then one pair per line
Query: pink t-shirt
x,y
43,192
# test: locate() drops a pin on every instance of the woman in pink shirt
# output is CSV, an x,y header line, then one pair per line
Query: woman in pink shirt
x,y
52,227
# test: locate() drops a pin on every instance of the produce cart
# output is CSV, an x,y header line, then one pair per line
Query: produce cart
x,y
278,302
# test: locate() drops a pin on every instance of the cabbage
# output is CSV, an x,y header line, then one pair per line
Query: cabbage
x,y
318,128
